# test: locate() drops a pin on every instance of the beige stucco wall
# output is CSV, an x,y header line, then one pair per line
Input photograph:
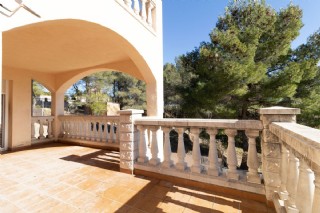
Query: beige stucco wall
x,y
71,40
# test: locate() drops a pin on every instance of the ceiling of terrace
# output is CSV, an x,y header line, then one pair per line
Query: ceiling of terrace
x,y
61,45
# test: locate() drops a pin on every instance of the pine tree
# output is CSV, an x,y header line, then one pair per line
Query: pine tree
x,y
249,63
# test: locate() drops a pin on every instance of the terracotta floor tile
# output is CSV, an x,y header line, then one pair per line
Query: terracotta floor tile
x,y
78,179
68,194
132,202
246,205
114,192
106,205
158,191
225,205
7,207
127,196
148,203
63,208
198,203
170,206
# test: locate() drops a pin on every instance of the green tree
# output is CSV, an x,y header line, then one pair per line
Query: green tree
x,y
99,88
172,98
249,63
38,89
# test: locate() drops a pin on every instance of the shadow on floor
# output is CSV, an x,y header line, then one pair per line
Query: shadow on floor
x,y
103,159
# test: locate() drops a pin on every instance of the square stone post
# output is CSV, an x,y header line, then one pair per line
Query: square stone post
x,y
129,139
271,146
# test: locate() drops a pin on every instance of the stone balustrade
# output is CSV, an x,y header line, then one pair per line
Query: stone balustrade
x,y
93,130
299,189
41,128
155,151
143,10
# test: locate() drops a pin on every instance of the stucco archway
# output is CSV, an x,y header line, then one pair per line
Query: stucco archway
x,y
58,51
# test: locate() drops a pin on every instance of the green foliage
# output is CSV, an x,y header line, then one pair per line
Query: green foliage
x,y
102,87
249,64
38,89
97,102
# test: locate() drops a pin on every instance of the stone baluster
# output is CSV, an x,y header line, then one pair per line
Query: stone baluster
x,y
196,154
155,160
69,131
77,129
305,187
118,132
253,163
232,156
92,130
82,133
88,129
292,182
149,12
136,7
41,130
316,197
143,144
167,162
283,194
214,168
73,128
50,135
33,133
64,129
128,3
181,164
115,130
99,131
111,132
105,131
143,12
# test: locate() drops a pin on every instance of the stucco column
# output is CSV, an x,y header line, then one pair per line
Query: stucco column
x,y
128,139
155,99
1,83
271,146
20,109
57,109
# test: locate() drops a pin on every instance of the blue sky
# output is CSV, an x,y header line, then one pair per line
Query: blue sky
x,y
186,23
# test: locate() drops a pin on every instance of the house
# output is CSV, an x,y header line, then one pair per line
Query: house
x,y
73,39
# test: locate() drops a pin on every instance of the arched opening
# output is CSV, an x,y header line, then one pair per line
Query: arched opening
x,y
105,93
41,122
41,100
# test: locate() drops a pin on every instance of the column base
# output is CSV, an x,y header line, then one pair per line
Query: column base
x,y
232,175
154,161
167,164
253,178
283,195
290,208
214,172
196,169
181,166
143,160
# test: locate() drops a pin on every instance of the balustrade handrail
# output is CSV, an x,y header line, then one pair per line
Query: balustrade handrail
x,y
302,139
203,123
41,117
86,117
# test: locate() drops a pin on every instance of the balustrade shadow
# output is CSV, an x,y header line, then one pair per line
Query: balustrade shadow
x,y
156,195
103,159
